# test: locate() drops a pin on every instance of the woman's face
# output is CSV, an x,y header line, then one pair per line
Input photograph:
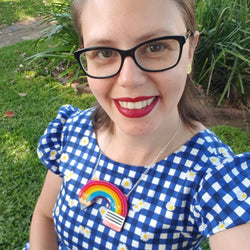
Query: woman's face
x,y
124,24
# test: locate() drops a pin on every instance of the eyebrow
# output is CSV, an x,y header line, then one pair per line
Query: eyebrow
x,y
154,34
148,36
100,41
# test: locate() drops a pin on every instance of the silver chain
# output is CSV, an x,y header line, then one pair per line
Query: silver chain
x,y
148,167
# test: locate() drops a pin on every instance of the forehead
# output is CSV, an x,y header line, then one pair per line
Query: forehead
x,y
130,20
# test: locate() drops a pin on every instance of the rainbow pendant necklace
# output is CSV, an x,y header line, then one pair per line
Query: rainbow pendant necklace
x,y
117,201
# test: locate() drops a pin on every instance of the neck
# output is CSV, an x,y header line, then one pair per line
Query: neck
x,y
140,150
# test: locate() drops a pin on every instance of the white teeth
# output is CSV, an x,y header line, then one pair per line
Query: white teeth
x,y
131,105
124,104
136,105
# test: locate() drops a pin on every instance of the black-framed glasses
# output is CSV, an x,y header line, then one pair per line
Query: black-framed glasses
x,y
154,55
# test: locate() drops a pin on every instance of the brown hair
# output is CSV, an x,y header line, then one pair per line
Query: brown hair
x,y
187,106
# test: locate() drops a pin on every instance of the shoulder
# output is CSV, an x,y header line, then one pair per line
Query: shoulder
x,y
70,114
215,162
70,124
204,152
223,198
70,118
227,175
208,148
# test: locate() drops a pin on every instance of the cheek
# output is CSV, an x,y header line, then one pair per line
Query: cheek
x,y
92,87
173,81
100,88
95,86
178,75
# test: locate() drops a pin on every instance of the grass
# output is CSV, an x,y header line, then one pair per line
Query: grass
x,y
12,11
21,173
238,140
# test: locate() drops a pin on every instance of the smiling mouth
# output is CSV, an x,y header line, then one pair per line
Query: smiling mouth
x,y
137,107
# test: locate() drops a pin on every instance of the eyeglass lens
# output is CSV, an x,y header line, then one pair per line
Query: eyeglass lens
x,y
151,56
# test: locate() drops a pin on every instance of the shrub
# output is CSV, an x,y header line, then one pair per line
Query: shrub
x,y
222,59
64,39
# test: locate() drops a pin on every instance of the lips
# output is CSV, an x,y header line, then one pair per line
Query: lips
x,y
136,107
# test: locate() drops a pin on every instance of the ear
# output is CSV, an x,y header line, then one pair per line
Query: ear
x,y
193,44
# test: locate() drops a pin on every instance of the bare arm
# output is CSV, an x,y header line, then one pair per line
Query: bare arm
x,y
232,239
42,232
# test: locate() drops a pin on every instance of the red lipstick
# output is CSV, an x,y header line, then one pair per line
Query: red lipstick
x,y
136,107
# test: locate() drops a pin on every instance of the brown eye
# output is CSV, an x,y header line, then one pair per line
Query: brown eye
x,y
105,53
155,48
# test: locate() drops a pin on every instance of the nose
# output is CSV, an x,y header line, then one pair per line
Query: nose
x,y
130,74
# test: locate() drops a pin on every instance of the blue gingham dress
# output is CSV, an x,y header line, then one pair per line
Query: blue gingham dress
x,y
199,190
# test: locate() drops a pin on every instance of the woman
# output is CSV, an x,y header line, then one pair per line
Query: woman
x,y
140,170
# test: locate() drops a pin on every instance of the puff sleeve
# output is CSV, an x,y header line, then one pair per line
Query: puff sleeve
x,y
223,199
50,144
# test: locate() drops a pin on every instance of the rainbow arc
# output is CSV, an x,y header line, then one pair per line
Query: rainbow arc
x,y
116,201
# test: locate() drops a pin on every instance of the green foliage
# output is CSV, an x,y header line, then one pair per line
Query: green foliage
x,y
65,40
222,59
16,10
238,140
35,99
205,245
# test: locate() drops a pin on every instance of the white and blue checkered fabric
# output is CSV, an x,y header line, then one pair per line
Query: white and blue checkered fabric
x,y
197,191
